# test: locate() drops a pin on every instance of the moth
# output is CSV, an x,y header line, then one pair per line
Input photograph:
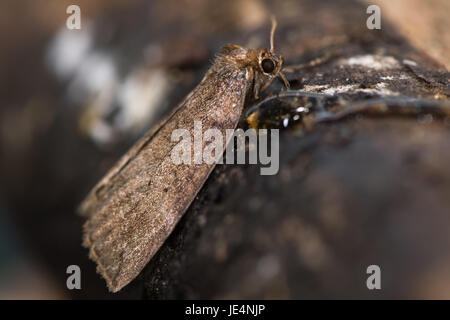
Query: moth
x,y
135,207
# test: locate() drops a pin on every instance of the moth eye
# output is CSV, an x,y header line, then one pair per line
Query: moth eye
x,y
268,65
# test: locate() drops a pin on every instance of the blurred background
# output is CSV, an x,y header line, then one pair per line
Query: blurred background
x,y
72,101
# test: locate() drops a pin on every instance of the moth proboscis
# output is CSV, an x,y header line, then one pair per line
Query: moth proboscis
x,y
135,207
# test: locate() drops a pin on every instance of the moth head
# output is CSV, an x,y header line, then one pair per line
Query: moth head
x,y
264,61
269,63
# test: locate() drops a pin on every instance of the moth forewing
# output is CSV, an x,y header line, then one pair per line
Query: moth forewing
x,y
133,212
136,206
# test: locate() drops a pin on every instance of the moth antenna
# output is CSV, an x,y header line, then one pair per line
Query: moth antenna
x,y
272,32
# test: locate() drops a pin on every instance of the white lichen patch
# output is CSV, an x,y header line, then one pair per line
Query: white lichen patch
x,y
340,89
409,62
404,77
378,89
315,87
377,62
391,78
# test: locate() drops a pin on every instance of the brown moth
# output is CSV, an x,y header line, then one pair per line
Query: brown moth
x,y
135,207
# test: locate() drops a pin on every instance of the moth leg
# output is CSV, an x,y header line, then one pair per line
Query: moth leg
x,y
285,81
267,84
258,86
